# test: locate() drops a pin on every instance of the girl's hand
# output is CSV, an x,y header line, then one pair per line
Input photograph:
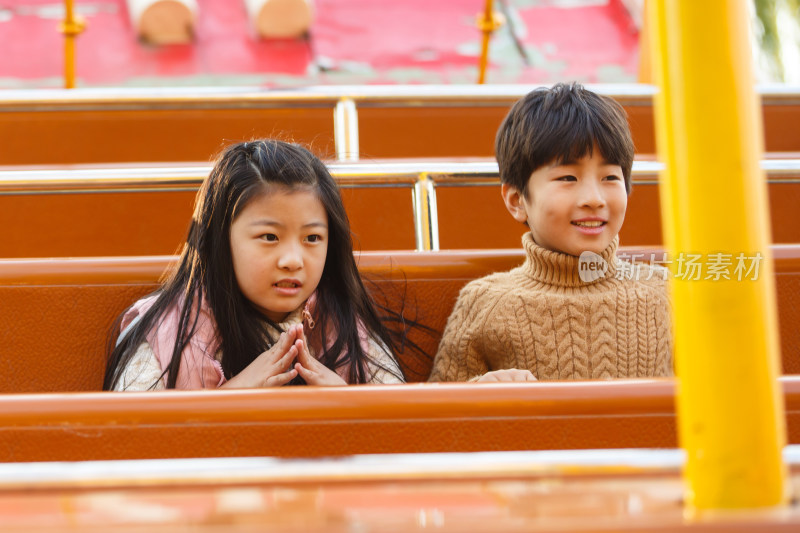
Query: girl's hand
x,y
507,375
309,368
272,368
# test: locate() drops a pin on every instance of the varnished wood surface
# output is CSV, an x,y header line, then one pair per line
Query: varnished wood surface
x,y
589,491
105,126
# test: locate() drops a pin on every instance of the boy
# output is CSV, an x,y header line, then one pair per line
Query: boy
x,y
572,310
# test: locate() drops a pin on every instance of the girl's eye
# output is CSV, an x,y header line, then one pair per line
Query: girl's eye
x,y
314,238
269,237
567,178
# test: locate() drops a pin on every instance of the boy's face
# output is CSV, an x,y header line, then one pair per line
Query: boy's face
x,y
572,207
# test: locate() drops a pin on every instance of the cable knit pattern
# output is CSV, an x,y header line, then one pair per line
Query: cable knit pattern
x,y
625,330
543,317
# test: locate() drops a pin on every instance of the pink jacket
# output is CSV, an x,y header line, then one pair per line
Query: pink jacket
x,y
199,368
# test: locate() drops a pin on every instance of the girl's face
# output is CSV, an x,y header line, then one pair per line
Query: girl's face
x,y
279,243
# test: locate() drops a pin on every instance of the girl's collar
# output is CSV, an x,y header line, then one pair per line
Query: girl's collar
x,y
307,318
303,314
308,311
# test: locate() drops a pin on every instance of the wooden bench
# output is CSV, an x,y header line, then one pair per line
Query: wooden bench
x,y
57,313
83,211
127,125
313,421
310,422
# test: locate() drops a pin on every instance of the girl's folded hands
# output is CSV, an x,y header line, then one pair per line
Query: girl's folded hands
x,y
309,368
288,358
272,368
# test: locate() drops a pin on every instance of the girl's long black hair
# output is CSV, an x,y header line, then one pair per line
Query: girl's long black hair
x,y
205,270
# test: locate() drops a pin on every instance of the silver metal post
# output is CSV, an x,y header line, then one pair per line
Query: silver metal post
x,y
345,130
426,217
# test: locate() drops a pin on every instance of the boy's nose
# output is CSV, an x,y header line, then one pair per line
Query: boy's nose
x,y
592,196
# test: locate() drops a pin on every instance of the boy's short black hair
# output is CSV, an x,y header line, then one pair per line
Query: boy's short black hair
x,y
561,124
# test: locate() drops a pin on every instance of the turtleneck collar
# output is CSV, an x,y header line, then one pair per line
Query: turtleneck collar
x,y
560,269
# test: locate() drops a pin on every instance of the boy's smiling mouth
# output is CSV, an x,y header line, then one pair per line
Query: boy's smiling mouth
x,y
589,223
590,226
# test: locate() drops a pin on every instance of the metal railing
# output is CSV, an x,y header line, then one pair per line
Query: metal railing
x,y
325,96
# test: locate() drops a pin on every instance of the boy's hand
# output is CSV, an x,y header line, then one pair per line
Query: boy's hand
x,y
309,368
506,375
272,368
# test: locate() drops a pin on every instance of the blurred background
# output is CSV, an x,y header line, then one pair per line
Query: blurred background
x,y
219,43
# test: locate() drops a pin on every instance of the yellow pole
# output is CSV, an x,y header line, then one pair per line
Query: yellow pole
x,y
71,27
730,408
487,24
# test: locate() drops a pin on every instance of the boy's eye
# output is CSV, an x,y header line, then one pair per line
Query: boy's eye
x,y
566,178
269,237
613,177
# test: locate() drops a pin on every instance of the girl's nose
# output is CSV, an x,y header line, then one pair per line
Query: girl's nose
x,y
291,258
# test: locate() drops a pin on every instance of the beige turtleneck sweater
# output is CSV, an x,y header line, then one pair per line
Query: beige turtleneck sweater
x,y
542,317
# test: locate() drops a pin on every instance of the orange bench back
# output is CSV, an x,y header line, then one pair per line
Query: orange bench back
x,y
83,211
56,313
105,126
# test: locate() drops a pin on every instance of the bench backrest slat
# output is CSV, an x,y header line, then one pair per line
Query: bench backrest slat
x,y
57,313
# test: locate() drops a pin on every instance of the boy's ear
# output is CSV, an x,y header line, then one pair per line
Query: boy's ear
x,y
514,202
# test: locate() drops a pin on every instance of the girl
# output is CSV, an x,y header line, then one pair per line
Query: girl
x,y
266,291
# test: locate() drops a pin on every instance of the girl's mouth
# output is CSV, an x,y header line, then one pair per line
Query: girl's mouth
x,y
287,287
